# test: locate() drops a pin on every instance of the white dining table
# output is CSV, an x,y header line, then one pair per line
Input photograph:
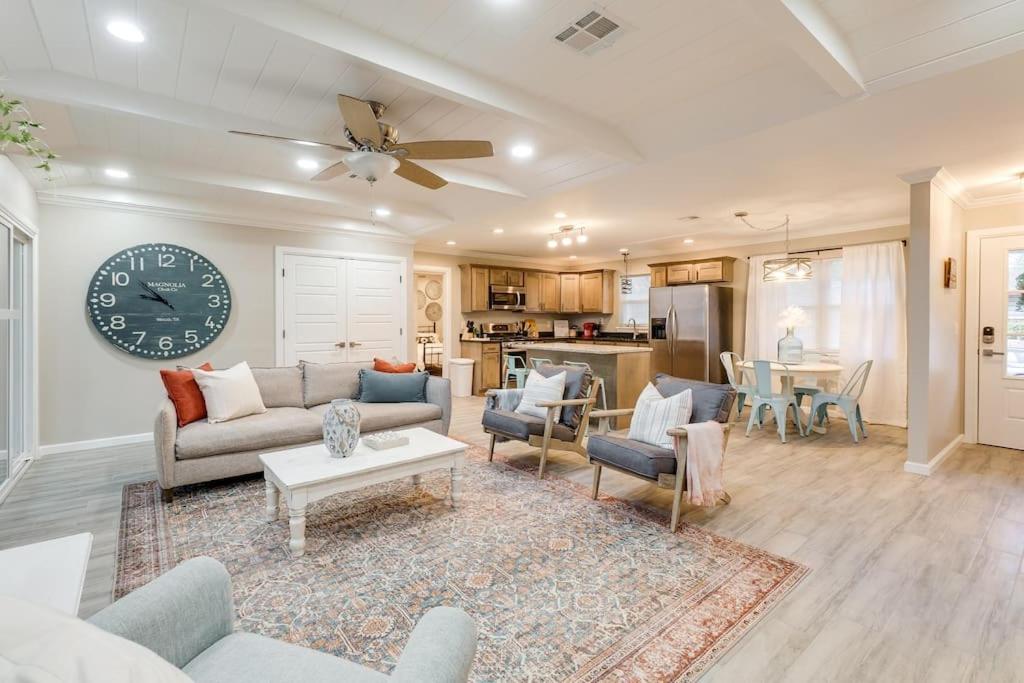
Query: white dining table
x,y
826,376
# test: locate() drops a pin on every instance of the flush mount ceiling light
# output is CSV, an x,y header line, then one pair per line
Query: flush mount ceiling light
x,y
791,268
307,164
117,173
126,31
522,151
566,234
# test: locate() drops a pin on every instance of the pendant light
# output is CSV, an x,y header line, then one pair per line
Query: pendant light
x,y
790,268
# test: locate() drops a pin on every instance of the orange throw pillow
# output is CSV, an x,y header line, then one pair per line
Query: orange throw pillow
x,y
381,365
185,394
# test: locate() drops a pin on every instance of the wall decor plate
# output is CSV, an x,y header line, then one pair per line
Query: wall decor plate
x,y
433,289
158,301
421,301
434,311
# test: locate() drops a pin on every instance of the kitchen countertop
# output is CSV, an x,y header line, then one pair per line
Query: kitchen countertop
x,y
600,350
569,340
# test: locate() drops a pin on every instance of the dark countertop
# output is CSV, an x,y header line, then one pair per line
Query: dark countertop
x,y
622,337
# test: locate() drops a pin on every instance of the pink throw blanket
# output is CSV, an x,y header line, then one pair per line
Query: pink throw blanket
x,y
704,460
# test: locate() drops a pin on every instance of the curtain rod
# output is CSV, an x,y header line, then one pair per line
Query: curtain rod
x,y
818,251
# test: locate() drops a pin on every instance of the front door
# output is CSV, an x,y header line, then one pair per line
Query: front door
x,y
1001,343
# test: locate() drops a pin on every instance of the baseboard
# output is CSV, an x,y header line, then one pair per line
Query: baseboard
x,y
108,442
933,464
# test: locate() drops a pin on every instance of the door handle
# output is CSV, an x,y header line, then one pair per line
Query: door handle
x,y
351,344
340,345
990,352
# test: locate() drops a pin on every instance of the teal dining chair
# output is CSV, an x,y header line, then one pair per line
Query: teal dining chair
x,y
515,368
602,400
732,363
763,397
848,400
537,362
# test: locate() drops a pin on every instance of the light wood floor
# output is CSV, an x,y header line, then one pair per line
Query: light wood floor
x,y
914,579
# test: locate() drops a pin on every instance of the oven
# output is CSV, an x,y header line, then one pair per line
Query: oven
x,y
507,298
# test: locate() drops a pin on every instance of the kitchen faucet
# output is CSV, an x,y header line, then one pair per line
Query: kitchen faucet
x,y
633,323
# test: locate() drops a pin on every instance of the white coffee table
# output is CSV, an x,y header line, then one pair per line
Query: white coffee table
x,y
305,475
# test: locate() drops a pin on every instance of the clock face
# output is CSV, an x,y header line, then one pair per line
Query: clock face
x,y
158,301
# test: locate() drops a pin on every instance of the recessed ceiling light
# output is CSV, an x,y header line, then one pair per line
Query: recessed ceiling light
x,y
688,241
450,243
498,231
624,250
522,151
308,164
382,211
126,31
572,256
561,214
117,173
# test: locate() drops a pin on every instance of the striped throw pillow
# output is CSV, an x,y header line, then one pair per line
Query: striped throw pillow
x,y
540,388
654,416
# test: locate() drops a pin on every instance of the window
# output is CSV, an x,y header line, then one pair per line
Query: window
x,y
821,299
634,305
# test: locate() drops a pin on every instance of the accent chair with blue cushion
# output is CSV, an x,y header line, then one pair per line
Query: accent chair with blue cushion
x,y
503,423
663,466
186,616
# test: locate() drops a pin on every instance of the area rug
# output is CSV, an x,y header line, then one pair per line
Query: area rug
x,y
562,587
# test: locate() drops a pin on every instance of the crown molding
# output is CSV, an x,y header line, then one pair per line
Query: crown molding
x,y
942,179
238,220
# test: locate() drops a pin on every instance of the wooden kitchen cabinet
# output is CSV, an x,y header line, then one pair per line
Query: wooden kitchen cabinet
x,y
659,276
597,291
506,277
711,271
570,298
533,294
475,289
680,274
550,292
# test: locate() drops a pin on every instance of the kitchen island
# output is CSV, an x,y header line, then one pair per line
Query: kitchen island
x,y
624,369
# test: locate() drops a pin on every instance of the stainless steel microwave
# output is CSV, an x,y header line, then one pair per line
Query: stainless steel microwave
x,y
507,298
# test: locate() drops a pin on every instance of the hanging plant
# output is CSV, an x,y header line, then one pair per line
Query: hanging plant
x,y
18,128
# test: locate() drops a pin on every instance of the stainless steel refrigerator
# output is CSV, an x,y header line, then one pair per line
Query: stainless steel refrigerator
x,y
690,326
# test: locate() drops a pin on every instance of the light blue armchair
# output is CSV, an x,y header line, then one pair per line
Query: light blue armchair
x,y
187,617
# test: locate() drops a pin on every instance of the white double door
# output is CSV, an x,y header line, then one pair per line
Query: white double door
x,y
1001,342
339,310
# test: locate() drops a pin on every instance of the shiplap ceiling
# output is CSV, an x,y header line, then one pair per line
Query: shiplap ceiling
x,y
685,78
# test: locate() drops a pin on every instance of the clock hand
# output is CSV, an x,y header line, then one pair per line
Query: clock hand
x,y
156,294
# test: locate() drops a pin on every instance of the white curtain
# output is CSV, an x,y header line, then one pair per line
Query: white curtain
x,y
765,302
873,327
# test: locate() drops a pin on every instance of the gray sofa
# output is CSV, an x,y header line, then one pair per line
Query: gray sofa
x,y
296,399
187,617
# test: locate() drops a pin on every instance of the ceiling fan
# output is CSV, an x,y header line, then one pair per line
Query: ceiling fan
x,y
374,149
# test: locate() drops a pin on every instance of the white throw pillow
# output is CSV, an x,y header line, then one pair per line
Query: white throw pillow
x,y
540,388
41,645
654,416
229,393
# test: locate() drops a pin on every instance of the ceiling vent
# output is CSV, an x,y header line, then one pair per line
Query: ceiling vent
x,y
592,32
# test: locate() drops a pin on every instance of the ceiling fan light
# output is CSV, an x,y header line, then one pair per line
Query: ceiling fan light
x,y
370,166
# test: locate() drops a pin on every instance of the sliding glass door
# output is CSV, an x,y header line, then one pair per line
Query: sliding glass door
x,y
14,350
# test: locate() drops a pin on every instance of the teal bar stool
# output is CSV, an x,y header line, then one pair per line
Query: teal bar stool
x,y
515,368
764,397
848,400
732,363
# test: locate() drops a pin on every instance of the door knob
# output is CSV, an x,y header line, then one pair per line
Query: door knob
x,y
990,352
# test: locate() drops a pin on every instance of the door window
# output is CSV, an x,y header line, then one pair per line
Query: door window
x,y
1014,324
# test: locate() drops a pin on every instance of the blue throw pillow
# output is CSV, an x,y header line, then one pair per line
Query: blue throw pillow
x,y
390,387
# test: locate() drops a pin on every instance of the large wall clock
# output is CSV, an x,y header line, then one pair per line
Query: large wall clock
x,y
158,301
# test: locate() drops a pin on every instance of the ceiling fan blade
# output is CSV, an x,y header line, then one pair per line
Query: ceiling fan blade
x,y
419,175
332,171
359,119
446,149
311,143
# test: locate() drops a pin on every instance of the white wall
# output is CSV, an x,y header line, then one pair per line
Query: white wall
x,y
17,197
89,389
935,324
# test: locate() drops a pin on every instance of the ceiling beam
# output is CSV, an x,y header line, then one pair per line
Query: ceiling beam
x,y
805,28
425,71
405,216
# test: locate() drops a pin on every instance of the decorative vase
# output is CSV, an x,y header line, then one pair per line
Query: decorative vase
x,y
341,428
791,349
